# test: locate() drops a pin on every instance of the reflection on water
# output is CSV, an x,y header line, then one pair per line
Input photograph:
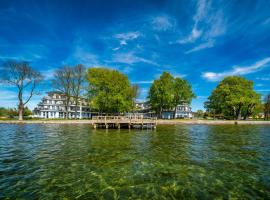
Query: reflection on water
x,y
173,162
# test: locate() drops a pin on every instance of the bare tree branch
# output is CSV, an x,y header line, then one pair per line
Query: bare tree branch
x,y
22,76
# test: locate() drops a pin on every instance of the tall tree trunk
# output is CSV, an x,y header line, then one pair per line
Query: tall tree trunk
x,y
67,106
160,113
76,111
76,108
20,109
66,115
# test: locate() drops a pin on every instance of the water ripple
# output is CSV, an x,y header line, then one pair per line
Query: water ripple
x,y
174,162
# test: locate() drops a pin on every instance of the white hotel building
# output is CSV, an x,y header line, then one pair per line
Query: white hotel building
x,y
182,111
53,106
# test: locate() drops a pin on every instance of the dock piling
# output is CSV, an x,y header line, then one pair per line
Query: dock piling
x,y
124,121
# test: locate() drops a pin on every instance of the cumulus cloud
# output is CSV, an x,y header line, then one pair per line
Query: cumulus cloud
x,y
213,76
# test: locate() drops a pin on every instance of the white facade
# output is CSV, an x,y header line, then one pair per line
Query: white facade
x,y
141,106
183,111
53,106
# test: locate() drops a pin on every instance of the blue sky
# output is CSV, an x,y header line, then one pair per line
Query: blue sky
x,y
200,40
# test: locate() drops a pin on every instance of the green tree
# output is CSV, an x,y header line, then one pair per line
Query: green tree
x,y
161,93
3,112
13,112
110,91
27,112
182,92
267,107
199,114
167,92
234,97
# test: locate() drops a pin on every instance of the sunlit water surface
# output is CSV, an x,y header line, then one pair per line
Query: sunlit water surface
x,y
173,162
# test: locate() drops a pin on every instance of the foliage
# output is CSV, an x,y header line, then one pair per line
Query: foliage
x,y
3,112
27,112
110,91
199,114
13,112
167,92
267,107
22,76
235,98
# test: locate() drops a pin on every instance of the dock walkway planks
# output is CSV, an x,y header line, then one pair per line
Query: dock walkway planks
x,y
134,121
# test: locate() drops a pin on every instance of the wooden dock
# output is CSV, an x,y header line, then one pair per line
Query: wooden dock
x,y
133,121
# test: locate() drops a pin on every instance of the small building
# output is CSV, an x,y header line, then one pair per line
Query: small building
x,y
53,106
142,107
183,111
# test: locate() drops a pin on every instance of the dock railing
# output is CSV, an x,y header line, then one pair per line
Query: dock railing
x,y
129,120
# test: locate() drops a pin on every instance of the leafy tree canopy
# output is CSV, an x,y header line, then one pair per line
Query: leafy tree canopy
x,y
167,92
110,91
234,97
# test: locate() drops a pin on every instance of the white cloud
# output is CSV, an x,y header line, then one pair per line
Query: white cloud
x,y
201,13
9,99
125,37
48,74
162,23
208,24
263,78
263,90
8,95
195,33
259,85
83,56
173,73
127,69
201,46
131,58
212,76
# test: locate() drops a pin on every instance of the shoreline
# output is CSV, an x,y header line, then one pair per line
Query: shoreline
x,y
159,122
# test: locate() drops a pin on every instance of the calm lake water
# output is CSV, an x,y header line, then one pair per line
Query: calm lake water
x,y
173,162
